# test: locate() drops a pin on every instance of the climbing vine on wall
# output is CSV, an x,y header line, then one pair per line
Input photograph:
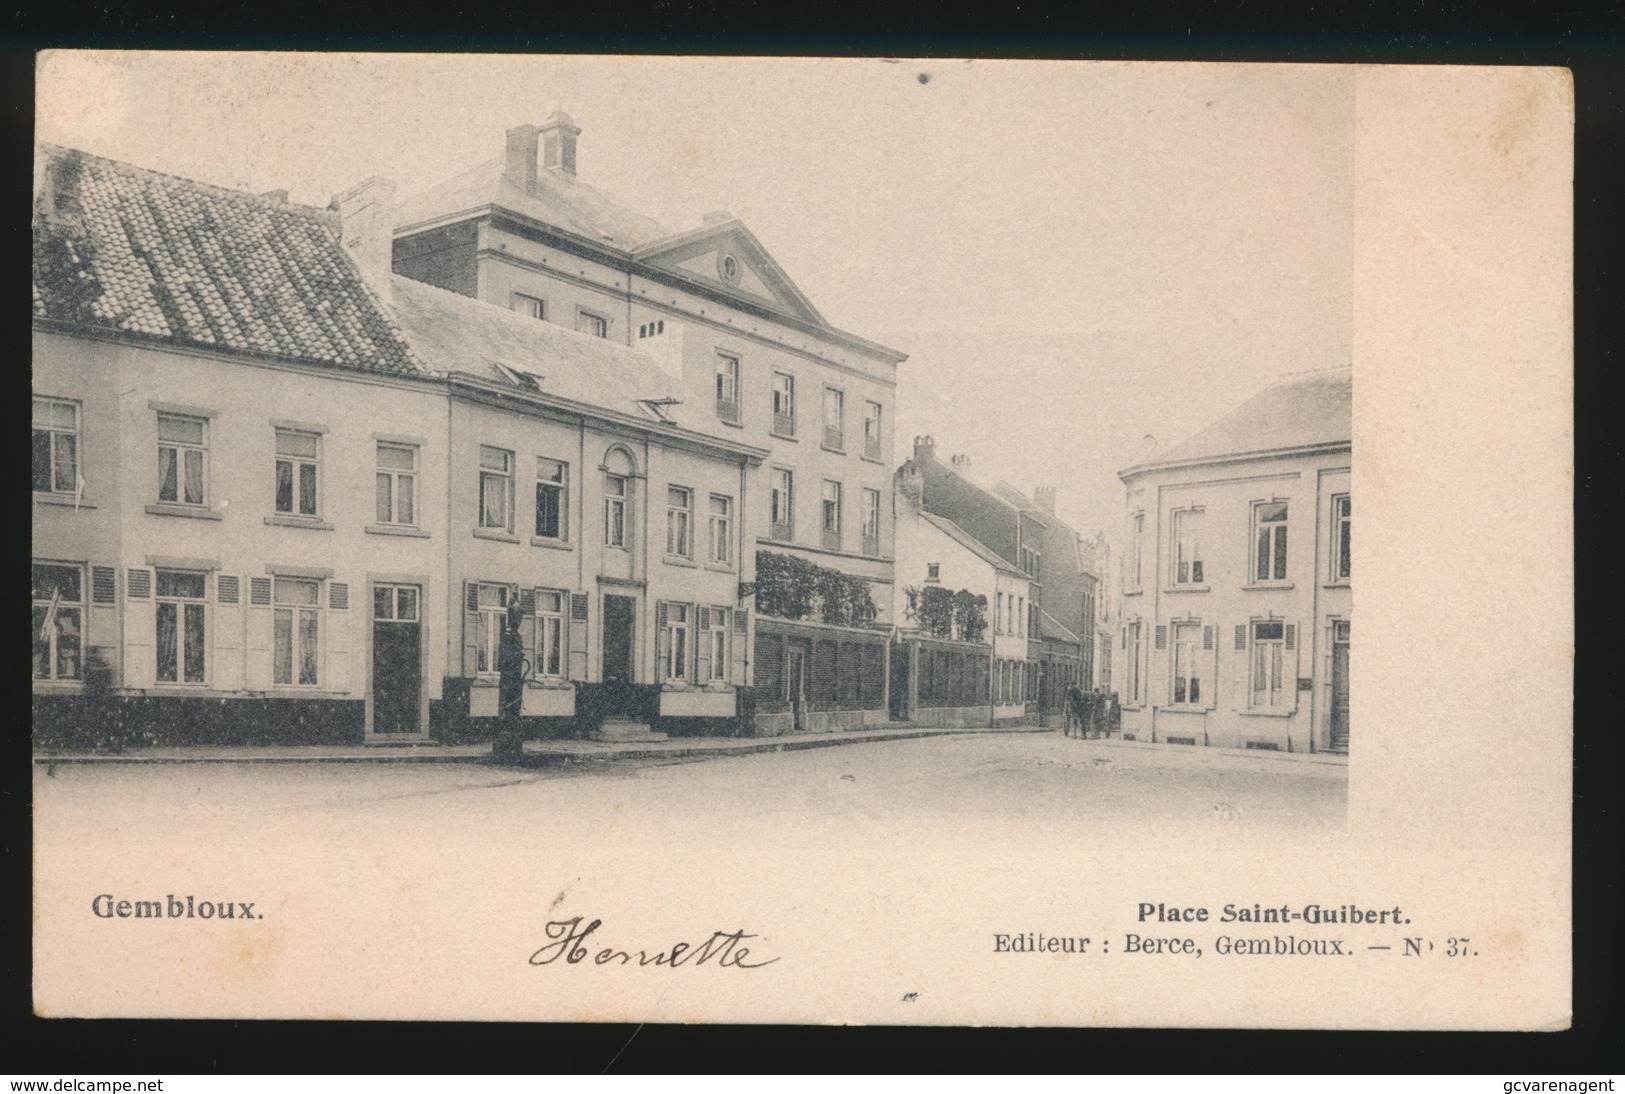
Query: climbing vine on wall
x,y
793,588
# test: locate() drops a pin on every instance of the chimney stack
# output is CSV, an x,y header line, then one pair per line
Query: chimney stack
x,y
717,216
367,228
925,448
519,160
910,483
559,135
1044,498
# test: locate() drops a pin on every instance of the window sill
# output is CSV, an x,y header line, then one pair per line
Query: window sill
x,y
43,498
1186,589
733,422
720,568
1266,713
492,533
1136,591
551,544
1185,708
550,683
841,451
166,509
1335,585
396,530
873,459
315,523
781,535
678,560
784,436
1268,585
58,686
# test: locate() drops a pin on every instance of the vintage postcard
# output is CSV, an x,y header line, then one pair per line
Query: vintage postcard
x,y
802,541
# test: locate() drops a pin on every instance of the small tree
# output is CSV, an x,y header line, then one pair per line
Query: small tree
x,y
970,612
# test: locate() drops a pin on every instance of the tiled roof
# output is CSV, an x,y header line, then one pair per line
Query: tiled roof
x,y
558,199
1299,410
453,333
132,250
971,544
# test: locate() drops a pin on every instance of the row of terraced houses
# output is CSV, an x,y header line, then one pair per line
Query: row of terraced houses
x,y
292,465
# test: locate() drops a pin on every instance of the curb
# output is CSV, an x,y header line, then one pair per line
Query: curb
x,y
539,757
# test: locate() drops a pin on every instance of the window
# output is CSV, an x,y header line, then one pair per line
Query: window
x,y
296,631
56,446
180,626
528,305
677,649
1187,547
595,325
721,530
716,644
1029,561
552,480
397,484
182,459
297,457
491,614
395,602
1340,537
1131,661
650,330
784,404
998,613
58,621
1269,653
1187,639
1032,620
780,504
728,387
834,418
832,513
549,633
679,514
496,488
871,430
1136,548
1269,541
1021,617
871,521
615,510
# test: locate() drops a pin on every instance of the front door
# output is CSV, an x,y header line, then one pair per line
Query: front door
x,y
619,612
1340,686
397,659
795,682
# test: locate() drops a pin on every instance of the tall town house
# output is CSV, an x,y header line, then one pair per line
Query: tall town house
x,y
1234,628
282,495
523,232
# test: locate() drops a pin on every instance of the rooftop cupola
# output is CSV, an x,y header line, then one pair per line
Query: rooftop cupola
x,y
559,135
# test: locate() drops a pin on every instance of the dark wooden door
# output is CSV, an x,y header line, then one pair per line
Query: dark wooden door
x,y
899,681
795,682
1340,686
619,612
397,660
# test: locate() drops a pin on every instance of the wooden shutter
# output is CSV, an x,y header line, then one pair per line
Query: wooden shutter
x,y
227,670
1162,637
1210,645
739,649
102,620
257,635
527,629
702,648
471,628
1290,663
662,640
338,637
577,667
140,623
1241,638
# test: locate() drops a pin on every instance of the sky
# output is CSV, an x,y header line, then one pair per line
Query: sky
x,y
1085,261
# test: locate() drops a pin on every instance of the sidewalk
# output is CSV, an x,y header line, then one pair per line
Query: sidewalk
x,y
537,753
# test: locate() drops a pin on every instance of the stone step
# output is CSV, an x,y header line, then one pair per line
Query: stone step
x,y
626,729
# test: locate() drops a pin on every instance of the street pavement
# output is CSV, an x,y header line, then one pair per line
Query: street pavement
x,y
1041,776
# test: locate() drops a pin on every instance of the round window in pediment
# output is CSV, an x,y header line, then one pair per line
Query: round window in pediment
x,y
728,267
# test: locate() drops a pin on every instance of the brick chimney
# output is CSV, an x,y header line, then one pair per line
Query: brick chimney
x,y
925,448
1044,498
559,135
519,160
367,228
910,485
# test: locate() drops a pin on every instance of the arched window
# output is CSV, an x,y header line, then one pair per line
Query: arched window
x,y
620,471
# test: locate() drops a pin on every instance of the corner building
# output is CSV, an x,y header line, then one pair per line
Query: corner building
x,y
1235,622
749,351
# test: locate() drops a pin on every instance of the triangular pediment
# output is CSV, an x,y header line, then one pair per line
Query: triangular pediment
x,y
728,258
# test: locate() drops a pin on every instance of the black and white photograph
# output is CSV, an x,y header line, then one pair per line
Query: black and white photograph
x,y
869,541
